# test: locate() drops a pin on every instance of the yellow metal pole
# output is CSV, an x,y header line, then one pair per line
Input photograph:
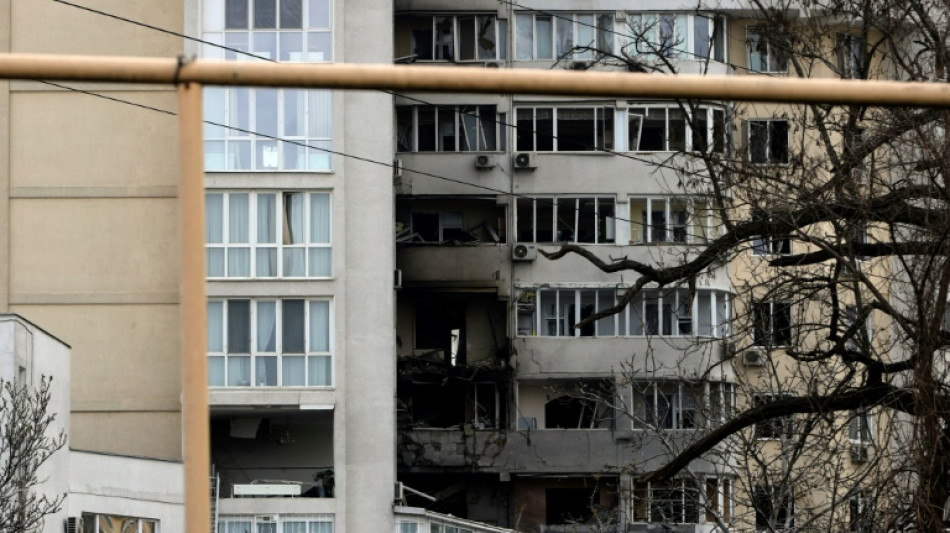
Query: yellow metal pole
x,y
475,80
193,311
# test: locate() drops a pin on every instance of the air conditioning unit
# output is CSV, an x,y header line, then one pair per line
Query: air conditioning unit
x,y
580,65
524,252
484,161
860,452
525,161
493,64
73,524
753,358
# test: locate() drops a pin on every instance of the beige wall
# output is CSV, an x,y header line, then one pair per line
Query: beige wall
x,y
88,222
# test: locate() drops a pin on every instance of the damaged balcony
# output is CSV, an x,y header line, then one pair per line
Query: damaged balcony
x,y
457,242
274,461
567,504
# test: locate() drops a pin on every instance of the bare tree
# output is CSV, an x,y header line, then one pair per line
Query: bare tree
x,y
27,441
835,222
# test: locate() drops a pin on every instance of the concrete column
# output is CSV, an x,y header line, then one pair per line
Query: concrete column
x,y
368,459
5,46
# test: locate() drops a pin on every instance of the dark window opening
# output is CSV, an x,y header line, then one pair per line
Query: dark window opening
x,y
570,506
441,326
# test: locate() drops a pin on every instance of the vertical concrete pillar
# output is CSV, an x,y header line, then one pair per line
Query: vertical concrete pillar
x,y
369,360
6,17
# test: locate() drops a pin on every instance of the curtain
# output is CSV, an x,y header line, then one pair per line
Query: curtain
x,y
239,371
265,369
320,262
293,326
295,527
216,327
239,259
214,218
293,372
321,527
266,219
267,326
216,371
320,326
320,371
320,123
320,218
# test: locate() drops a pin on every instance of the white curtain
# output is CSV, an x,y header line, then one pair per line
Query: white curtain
x,y
293,372
265,368
239,371
320,124
320,218
320,371
267,326
239,259
320,326
266,219
215,327
216,371
214,218
320,262
295,527
321,527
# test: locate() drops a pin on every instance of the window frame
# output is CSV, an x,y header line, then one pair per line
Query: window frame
x,y
279,246
770,495
696,232
277,519
254,353
861,427
851,64
767,57
604,128
91,522
216,30
768,139
601,35
690,49
500,27
770,331
608,221
624,323
498,120
779,428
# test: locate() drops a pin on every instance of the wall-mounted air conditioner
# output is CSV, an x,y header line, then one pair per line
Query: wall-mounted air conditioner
x,y
726,350
580,65
525,161
753,358
493,64
485,161
523,252
73,524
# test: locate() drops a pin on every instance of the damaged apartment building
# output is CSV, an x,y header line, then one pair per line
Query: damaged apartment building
x,y
507,413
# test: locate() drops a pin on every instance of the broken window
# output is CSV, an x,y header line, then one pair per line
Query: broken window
x,y
772,324
774,508
441,326
464,128
564,129
583,405
775,428
452,38
666,128
667,405
673,502
764,55
566,219
768,142
452,404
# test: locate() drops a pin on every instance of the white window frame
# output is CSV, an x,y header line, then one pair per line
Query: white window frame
x,y
312,149
706,230
542,319
650,493
215,30
601,36
277,519
689,135
140,522
279,247
558,203
481,144
501,39
601,114
681,416
861,427
754,33
309,355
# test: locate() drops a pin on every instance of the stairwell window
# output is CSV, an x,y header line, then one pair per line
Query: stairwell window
x,y
269,343
247,121
268,235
